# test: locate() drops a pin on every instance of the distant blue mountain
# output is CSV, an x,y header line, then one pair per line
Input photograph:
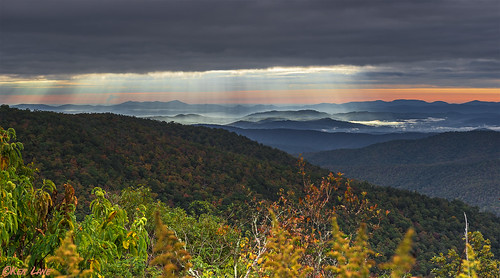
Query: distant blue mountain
x,y
300,141
177,107
320,124
154,108
453,165
409,106
300,115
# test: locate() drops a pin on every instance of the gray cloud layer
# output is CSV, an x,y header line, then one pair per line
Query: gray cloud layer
x,y
93,36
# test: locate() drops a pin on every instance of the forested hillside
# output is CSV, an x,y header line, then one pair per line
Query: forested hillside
x,y
180,163
454,165
219,182
305,141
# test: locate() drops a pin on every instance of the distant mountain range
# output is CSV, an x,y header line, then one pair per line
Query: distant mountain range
x,y
408,106
154,108
299,141
313,128
190,119
453,165
297,115
423,120
374,117
325,124
177,107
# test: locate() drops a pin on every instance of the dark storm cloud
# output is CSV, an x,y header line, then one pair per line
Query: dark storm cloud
x,y
90,36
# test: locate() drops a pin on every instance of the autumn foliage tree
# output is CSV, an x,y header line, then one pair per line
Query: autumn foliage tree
x,y
170,254
480,261
282,259
302,237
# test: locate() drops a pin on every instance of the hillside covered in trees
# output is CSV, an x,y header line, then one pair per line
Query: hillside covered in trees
x,y
212,188
180,163
452,165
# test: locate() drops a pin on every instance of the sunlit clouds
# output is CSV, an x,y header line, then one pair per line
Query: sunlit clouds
x,y
197,51
277,85
222,86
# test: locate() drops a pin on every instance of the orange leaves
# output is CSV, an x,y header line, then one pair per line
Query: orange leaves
x,y
70,201
111,216
223,230
307,220
4,163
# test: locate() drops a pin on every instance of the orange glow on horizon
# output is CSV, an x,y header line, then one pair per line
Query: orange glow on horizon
x,y
306,96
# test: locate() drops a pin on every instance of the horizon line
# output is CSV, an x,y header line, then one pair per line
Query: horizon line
x,y
248,104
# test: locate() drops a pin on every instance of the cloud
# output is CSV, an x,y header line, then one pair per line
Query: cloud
x,y
60,37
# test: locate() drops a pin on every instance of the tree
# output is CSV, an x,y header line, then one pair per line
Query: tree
x,y
402,261
481,260
107,246
352,259
31,227
309,217
305,239
66,260
170,253
283,254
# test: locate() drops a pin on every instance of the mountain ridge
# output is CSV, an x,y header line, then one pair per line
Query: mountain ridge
x,y
300,141
373,106
449,165
316,124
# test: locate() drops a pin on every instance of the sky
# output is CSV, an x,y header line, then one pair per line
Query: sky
x,y
248,51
